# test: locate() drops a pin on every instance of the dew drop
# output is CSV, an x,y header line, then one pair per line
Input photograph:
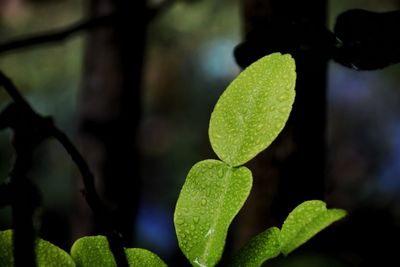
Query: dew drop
x,y
180,221
196,219
203,202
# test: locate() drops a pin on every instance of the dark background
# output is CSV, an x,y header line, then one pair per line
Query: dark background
x,y
187,63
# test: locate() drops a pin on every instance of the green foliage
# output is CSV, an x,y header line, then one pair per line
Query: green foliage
x,y
253,109
210,198
138,257
305,221
262,247
246,119
47,254
94,251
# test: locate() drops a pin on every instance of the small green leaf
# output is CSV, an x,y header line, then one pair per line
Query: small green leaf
x,y
259,249
94,251
138,257
253,109
47,254
211,197
305,221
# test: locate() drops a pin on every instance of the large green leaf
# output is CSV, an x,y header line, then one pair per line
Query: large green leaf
x,y
253,109
212,195
94,251
305,221
47,254
261,248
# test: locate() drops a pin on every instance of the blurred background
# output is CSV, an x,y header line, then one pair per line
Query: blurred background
x,y
187,63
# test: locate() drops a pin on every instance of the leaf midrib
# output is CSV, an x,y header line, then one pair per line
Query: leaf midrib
x,y
246,122
221,199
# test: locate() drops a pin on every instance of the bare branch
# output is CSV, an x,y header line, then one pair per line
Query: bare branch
x,y
58,34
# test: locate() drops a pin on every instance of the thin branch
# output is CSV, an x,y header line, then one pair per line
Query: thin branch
x,y
58,34
10,88
62,34
89,192
114,237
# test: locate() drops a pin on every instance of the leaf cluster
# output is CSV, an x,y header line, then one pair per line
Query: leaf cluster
x,y
247,118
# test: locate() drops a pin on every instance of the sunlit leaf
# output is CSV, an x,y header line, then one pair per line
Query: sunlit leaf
x,y
94,251
253,109
212,195
47,254
261,248
305,221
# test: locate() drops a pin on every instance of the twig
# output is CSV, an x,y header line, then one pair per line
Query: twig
x,y
58,34
10,88
114,237
89,192
68,31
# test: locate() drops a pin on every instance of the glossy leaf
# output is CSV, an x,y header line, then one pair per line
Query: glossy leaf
x,y
211,197
253,109
93,251
47,254
261,248
305,221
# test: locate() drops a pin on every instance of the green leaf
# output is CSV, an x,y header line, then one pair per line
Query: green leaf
x,y
259,249
211,197
94,251
253,109
47,254
305,221
138,257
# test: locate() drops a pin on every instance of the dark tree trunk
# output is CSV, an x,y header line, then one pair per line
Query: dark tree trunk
x,y
109,111
292,169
